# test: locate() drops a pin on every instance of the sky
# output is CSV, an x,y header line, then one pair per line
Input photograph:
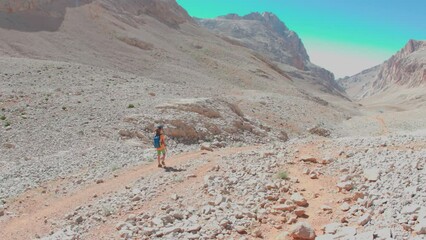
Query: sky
x,y
343,36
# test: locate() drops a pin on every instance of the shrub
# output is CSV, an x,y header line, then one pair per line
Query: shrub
x,y
7,124
242,126
131,106
282,175
3,117
184,133
207,112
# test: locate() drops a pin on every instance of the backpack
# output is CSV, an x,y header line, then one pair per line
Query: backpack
x,y
157,141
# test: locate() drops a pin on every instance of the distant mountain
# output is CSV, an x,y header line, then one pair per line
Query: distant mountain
x,y
405,69
266,34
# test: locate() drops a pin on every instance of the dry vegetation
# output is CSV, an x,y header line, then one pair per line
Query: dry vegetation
x,y
202,110
183,132
136,43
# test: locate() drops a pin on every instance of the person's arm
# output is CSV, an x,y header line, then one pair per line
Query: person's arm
x,y
163,141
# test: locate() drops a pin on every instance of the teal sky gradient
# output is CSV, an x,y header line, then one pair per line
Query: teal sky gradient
x,y
358,32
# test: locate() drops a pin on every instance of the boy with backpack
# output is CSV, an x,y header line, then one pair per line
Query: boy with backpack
x,y
160,145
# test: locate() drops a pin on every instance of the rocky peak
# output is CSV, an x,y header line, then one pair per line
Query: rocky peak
x,y
267,34
413,46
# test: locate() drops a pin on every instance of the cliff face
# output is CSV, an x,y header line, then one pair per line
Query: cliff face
x,y
407,68
264,33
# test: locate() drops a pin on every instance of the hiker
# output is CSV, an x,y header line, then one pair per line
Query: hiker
x,y
160,145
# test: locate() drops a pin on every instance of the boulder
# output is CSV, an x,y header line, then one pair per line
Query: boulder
x,y
299,200
303,231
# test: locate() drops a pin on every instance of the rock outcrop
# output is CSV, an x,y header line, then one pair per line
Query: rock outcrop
x,y
407,68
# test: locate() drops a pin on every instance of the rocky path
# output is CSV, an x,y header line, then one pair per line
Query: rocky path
x,y
33,210
309,188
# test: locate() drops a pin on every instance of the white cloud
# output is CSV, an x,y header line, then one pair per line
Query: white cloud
x,y
344,60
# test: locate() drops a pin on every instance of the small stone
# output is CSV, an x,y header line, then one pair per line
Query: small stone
x,y
206,147
1,211
385,233
191,176
193,228
131,218
174,197
284,207
299,200
345,185
308,158
364,219
411,209
240,229
326,208
300,212
420,228
365,236
332,228
120,225
345,207
79,219
303,231
219,199
283,236
372,174
345,233
313,176
136,198
99,181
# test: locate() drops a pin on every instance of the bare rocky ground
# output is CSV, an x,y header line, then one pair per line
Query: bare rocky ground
x,y
76,162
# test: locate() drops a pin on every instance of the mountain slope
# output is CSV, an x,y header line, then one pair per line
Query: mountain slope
x,y
266,34
404,71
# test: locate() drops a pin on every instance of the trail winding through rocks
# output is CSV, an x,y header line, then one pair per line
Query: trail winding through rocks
x,y
34,208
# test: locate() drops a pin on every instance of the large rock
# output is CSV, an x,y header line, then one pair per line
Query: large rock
x,y
303,231
299,200
308,158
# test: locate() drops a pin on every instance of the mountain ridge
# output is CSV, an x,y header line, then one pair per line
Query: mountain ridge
x,y
265,33
406,68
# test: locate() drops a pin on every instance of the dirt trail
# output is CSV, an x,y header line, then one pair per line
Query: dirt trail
x,y
33,208
184,188
383,127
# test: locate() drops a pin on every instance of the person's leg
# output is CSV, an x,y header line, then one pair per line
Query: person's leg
x,y
159,158
163,158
